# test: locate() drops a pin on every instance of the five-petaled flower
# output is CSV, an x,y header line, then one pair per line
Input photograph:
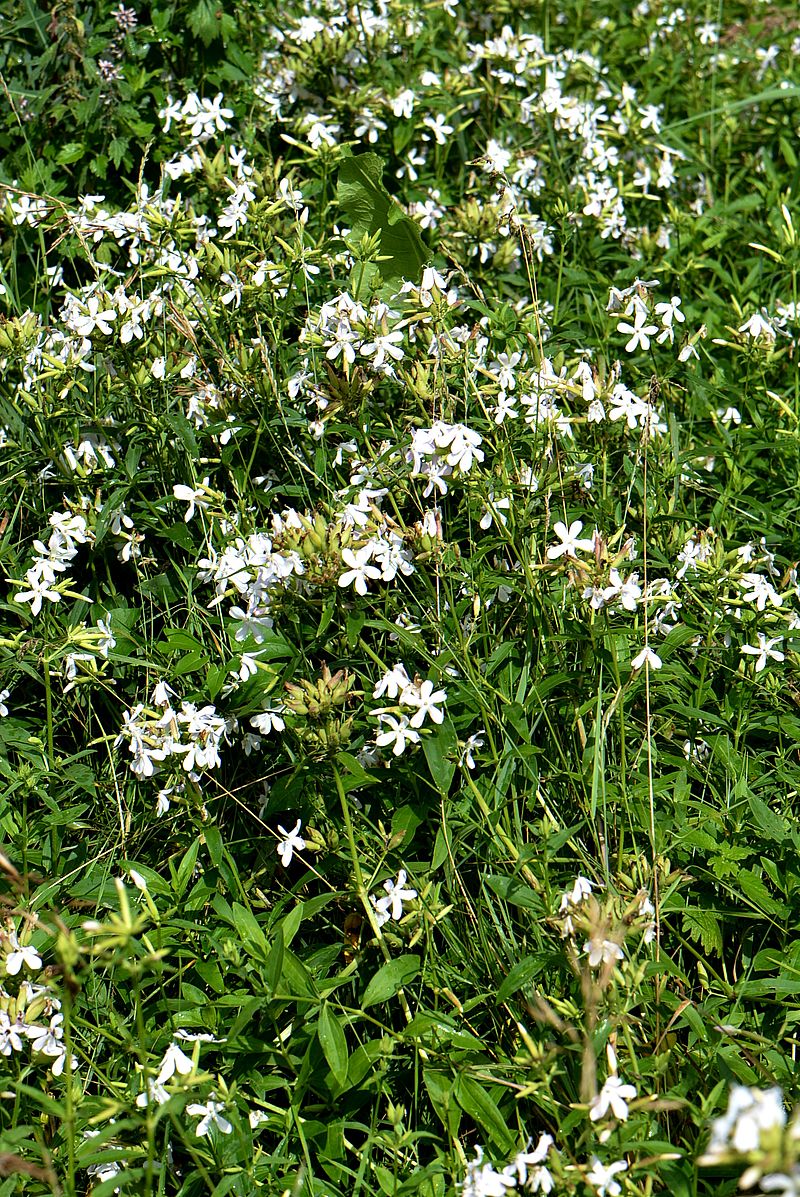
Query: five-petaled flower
x,y
601,1177
764,651
571,544
614,1096
602,951
360,571
291,843
391,907
399,733
423,696
210,1115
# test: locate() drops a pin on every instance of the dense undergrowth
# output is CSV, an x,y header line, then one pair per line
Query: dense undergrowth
x,y
400,432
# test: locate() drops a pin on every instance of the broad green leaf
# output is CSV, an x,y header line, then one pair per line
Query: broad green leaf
x,y
522,972
71,152
390,978
771,824
440,1091
214,844
475,1101
333,1043
371,211
441,750
755,889
296,978
250,933
185,869
512,889
704,926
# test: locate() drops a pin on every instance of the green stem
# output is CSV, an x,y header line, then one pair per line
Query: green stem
x,y
361,888
48,704
69,1100
501,835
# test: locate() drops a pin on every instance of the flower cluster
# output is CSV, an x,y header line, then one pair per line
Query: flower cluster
x,y
757,1131
46,578
191,734
31,1014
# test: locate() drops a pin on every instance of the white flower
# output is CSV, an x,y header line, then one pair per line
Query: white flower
x,y
759,590
764,650
646,656
175,1060
525,1160
403,104
360,571
757,327
423,696
21,954
614,1096
640,335
92,317
10,1040
153,1093
396,894
268,721
481,1180
161,694
392,683
781,1183
210,1115
195,498
750,1111
570,542
40,588
292,843
4,694
581,889
172,111
471,745
626,590
204,116
601,1177
730,415
670,311
400,734
439,127
235,289
602,951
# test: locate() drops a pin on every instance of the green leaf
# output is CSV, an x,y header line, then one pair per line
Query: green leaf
x,y
771,824
440,1091
249,930
703,926
118,149
185,869
333,1043
390,978
355,775
371,211
208,22
512,890
475,1101
522,972
214,844
274,966
71,152
441,750
299,982
755,889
